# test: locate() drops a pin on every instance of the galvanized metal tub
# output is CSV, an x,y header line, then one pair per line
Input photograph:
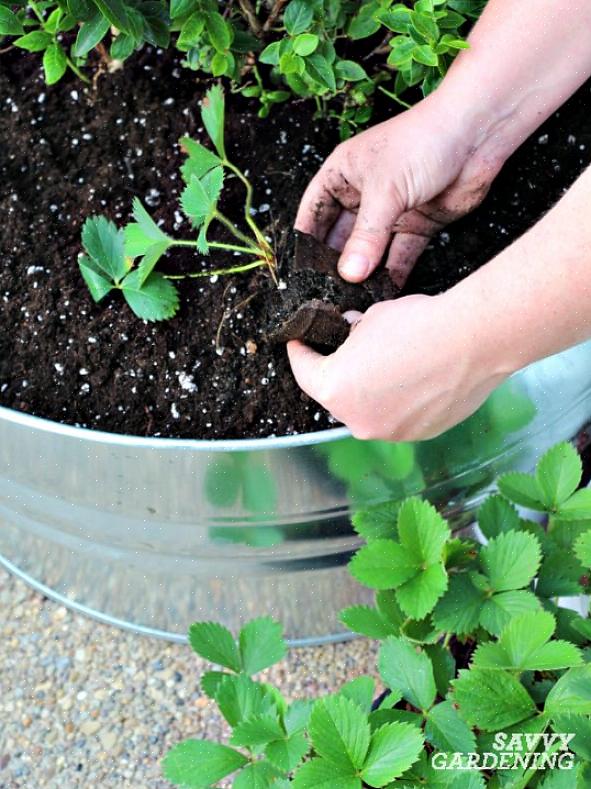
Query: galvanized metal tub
x,y
152,534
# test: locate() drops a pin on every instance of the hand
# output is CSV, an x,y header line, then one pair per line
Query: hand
x,y
405,178
410,369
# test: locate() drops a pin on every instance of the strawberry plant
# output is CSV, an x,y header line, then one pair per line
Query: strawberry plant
x,y
487,678
125,259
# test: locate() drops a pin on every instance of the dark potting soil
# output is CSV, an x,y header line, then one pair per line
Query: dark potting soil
x,y
214,371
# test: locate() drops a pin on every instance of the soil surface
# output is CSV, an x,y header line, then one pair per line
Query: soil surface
x,y
216,370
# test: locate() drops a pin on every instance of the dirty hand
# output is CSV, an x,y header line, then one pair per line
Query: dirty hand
x,y
410,369
396,185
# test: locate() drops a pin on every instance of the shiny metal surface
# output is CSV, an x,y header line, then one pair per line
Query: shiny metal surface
x,y
153,534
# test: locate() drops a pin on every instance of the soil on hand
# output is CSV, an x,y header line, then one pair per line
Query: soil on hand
x,y
215,370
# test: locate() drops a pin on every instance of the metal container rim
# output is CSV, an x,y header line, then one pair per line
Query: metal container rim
x,y
83,434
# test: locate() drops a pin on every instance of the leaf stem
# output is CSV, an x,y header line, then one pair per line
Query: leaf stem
x,y
395,97
250,250
219,272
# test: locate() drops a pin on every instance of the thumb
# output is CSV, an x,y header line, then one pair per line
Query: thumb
x,y
370,236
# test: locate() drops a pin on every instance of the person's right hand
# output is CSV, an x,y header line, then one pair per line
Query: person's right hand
x,y
395,185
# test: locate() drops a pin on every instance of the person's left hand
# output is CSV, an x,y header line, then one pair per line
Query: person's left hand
x,y
410,369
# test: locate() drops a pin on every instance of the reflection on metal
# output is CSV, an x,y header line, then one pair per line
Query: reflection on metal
x,y
156,533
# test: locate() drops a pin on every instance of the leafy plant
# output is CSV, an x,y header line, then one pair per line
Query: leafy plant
x,y
111,253
475,647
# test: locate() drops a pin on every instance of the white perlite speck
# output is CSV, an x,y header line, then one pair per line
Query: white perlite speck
x,y
187,382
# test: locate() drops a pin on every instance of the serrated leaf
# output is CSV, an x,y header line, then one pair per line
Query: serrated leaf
x,y
447,731
572,693
200,196
422,530
214,642
382,564
511,560
297,715
521,489
444,666
523,645
9,23
239,698
90,34
580,726
418,596
498,610
367,622
459,609
491,700
149,261
287,753
54,63
558,474
496,516
98,284
210,682
212,114
256,731
261,644
200,159
258,775
577,508
408,670
340,733
321,774
583,549
103,242
155,299
361,690
200,763
35,41
377,522
394,747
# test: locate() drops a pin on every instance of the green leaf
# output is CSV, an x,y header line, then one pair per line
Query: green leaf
x,y
90,34
321,774
496,516
190,35
261,644
578,507
270,54
35,41
361,690
558,474
298,17
523,645
287,753
422,530
321,71
382,564
511,560
239,698
103,242
305,44
182,8
447,731
200,197
407,669
521,489
340,733
401,49
580,726
418,596
54,63
200,763
259,730
9,23
200,159
459,609
259,775
363,24
220,32
444,666
560,574
155,299
122,46
212,114
115,12
583,549
211,681
144,235
214,642
98,284
378,522
367,621
572,693
297,715
394,747
423,53
350,71
498,610
491,700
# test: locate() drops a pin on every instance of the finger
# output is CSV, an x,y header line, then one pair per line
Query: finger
x,y
405,250
341,230
370,236
352,316
308,367
318,209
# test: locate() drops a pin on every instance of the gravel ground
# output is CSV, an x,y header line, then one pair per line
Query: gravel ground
x,y
84,705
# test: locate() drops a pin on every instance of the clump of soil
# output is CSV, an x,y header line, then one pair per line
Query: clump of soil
x,y
214,371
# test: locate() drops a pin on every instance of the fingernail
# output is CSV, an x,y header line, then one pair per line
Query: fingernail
x,y
354,266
